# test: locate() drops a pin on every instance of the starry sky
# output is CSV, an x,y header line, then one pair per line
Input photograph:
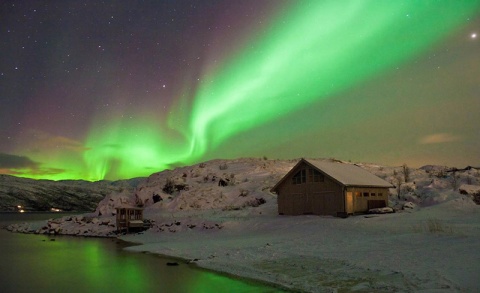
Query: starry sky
x,y
119,89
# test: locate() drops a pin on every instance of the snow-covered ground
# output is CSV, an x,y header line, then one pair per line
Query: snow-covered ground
x,y
431,244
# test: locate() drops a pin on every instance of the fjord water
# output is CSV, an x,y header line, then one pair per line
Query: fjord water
x,y
40,263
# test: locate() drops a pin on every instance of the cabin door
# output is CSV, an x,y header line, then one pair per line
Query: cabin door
x,y
349,198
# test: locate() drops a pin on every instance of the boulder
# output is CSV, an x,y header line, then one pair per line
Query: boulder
x,y
53,225
409,205
384,210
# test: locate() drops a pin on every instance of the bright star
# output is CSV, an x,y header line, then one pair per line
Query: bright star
x,y
473,36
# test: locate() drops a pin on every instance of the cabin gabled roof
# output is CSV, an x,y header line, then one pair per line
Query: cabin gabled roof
x,y
348,175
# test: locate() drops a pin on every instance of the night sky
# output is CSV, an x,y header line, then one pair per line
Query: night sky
x,y
119,89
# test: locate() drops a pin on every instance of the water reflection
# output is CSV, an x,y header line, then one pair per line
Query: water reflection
x,y
35,263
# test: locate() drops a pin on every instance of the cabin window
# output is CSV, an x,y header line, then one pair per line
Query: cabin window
x,y
358,194
372,194
300,177
366,194
380,194
315,176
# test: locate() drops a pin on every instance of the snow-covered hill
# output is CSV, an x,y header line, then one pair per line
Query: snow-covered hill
x,y
241,183
67,195
217,184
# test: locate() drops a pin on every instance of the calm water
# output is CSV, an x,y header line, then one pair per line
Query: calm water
x,y
34,263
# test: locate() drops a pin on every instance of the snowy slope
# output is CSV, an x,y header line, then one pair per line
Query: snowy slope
x,y
197,187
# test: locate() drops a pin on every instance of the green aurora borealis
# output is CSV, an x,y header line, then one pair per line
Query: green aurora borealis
x,y
308,53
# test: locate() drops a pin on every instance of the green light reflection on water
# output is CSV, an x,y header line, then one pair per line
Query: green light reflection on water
x,y
34,263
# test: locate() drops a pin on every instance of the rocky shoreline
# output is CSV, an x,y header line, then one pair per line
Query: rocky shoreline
x,y
79,225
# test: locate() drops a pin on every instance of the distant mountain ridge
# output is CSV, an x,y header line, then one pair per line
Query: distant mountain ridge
x,y
66,195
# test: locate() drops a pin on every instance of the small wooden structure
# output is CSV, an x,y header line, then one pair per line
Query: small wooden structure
x,y
329,188
129,217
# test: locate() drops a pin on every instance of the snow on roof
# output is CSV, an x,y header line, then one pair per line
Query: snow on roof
x,y
349,174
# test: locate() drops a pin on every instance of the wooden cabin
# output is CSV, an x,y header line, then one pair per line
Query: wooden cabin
x,y
129,217
329,188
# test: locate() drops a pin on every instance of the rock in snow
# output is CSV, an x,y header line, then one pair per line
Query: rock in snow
x,y
384,210
409,205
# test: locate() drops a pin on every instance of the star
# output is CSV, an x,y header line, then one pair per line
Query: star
x,y
473,36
